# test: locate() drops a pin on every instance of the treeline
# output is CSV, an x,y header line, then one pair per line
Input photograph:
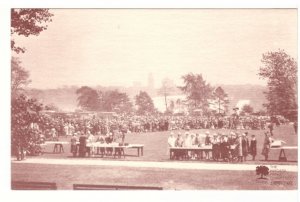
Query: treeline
x,y
113,100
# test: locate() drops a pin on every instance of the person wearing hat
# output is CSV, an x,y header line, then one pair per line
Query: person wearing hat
x,y
239,147
207,142
178,143
171,143
171,140
215,147
232,138
188,144
245,146
54,134
252,148
74,140
267,145
109,139
82,145
224,147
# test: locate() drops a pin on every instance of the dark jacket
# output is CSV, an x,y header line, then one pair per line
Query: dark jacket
x,y
253,149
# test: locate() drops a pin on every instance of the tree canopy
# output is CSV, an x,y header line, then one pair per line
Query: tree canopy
x,y
88,98
221,98
116,101
144,103
197,90
111,100
24,114
19,77
280,70
28,22
247,109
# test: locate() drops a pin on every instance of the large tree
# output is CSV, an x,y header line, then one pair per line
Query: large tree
x,y
197,90
116,101
144,103
247,109
28,22
25,120
19,77
88,98
221,98
281,72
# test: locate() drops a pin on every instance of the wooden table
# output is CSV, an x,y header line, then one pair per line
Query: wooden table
x,y
282,156
139,147
58,145
116,147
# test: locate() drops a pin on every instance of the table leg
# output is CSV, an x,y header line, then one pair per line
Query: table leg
x,y
282,155
138,150
142,151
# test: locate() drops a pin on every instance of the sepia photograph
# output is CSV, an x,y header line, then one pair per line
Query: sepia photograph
x,y
154,99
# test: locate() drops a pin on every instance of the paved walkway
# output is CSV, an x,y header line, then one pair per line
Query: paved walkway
x,y
164,165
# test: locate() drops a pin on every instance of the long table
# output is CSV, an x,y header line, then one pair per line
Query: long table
x,y
58,145
282,156
116,147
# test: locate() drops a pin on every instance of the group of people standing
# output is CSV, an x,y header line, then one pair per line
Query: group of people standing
x,y
80,141
219,146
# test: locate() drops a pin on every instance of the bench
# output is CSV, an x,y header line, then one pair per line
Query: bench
x,y
22,185
111,187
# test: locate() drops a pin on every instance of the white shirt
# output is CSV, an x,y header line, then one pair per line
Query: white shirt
x,y
171,141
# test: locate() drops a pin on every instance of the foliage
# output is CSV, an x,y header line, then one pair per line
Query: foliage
x,y
221,98
262,171
144,103
197,90
88,98
116,101
111,100
24,119
28,22
19,77
51,107
281,72
247,109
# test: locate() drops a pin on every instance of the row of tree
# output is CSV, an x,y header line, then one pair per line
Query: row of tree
x,y
199,96
112,100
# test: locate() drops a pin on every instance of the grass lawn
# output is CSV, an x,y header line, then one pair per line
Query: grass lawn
x,y
67,175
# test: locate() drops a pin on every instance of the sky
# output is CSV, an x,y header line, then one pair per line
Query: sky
x,y
112,47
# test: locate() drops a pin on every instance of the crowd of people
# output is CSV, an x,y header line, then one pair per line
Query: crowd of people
x,y
138,124
226,147
235,146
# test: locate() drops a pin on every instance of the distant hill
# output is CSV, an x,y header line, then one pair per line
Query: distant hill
x,y
253,93
65,98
